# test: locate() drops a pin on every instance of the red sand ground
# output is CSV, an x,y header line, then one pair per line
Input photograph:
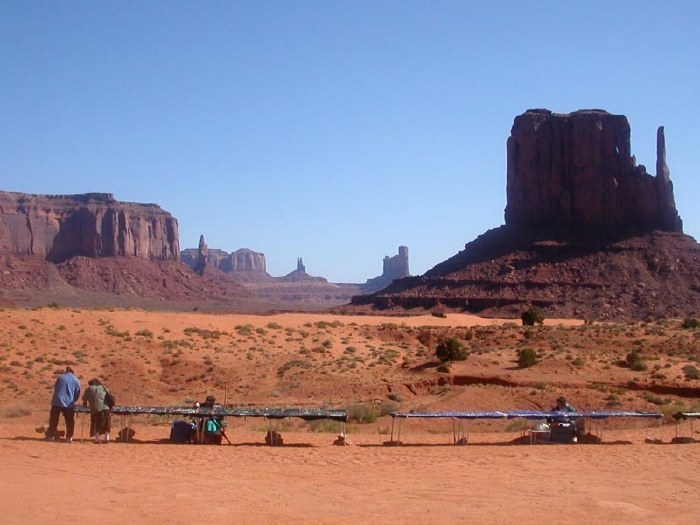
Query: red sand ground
x,y
496,478
309,480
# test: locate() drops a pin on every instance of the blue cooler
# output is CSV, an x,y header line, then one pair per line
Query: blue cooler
x,y
180,431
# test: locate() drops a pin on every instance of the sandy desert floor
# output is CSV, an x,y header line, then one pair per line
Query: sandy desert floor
x,y
498,477
309,480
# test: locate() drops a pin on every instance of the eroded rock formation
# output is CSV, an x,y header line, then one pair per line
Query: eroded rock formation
x,y
588,234
300,275
202,254
394,267
58,227
243,260
577,171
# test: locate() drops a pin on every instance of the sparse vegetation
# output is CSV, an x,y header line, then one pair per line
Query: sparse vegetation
x,y
451,349
690,323
691,372
635,361
527,357
532,316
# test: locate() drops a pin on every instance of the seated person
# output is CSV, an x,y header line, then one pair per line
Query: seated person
x,y
565,408
211,428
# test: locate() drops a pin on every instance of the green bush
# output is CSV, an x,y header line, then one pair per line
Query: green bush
x,y
531,316
691,323
691,372
527,357
451,349
361,413
635,361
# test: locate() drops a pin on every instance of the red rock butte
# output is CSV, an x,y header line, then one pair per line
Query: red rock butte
x,y
588,233
576,170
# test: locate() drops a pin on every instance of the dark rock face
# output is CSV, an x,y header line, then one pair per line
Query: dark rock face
x,y
579,275
577,171
202,254
588,233
58,227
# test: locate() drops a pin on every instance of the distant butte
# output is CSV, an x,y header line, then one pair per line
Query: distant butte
x,y
297,288
588,233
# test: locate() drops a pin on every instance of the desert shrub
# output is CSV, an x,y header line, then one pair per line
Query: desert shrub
x,y
690,323
386,407
116,333
451,349
613,400
442,315
691,372
17,411
641,366
245,329
395,396
656,400
362,412
635,361
298,363
325,426
144,333
527,357
531,316
518,424
579,361
444,368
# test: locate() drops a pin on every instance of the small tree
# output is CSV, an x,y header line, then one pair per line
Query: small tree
x,y
531,316
690,323
527,357
635,361
451,349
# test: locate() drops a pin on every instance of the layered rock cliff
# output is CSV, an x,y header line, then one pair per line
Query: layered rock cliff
x,y
58,227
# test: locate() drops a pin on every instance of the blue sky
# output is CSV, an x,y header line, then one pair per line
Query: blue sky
x,y
330,130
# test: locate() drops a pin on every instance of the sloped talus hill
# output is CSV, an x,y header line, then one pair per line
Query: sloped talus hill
x,y
585,276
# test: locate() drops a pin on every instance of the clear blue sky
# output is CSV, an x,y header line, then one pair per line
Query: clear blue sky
x,y
330,130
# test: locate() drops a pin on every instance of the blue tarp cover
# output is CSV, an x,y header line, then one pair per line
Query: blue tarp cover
x,y
526,414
